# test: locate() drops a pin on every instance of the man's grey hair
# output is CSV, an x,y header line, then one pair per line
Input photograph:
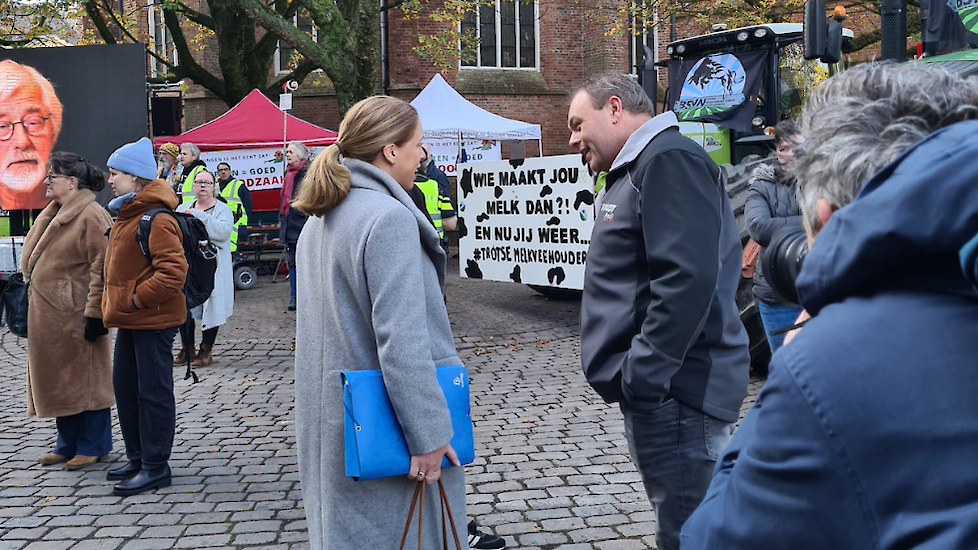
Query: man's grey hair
x,y
16,78
602,87
857,122
194,150
300,148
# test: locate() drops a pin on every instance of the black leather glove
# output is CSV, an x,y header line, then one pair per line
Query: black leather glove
x,y
94,328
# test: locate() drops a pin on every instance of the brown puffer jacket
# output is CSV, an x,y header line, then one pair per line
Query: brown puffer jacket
x,y
140,294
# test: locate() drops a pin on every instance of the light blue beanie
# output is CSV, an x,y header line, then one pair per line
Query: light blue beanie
x,y
136,159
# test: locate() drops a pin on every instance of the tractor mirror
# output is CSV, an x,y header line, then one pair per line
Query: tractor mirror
x,y
833,43
815,29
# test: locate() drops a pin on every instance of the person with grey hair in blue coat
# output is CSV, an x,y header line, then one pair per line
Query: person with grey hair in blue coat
x,y
866,433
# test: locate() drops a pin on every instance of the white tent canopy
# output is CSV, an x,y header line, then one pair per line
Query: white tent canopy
x,y
446,114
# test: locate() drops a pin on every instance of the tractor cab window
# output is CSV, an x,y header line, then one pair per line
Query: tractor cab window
x,y
797,77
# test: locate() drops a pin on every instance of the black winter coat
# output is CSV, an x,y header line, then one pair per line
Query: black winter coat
x,y
771,204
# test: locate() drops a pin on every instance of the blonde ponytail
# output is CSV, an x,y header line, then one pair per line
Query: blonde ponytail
x,y
366,129
326,184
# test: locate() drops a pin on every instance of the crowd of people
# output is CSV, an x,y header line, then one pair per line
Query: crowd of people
x,y
837,451
89,274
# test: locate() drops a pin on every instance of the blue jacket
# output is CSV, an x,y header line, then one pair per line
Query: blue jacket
x,y
866,434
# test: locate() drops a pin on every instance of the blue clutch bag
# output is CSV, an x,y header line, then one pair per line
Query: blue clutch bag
x,y
373,441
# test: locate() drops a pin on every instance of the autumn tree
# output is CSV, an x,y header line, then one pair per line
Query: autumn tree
x,y
33,23
246,32
639,16
863,15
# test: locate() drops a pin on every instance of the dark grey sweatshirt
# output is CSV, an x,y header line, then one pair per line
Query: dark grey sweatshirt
x,y
659,317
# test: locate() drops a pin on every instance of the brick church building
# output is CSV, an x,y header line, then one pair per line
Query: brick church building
x,y
529,55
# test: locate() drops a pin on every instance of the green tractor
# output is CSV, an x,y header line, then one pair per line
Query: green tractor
x,y
728,89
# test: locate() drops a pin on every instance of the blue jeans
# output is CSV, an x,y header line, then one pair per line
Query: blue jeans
x,y
675,448
291,248
776,317
142,374
87,433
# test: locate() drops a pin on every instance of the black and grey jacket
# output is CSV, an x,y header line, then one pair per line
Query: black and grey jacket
x,y
772,203
658,317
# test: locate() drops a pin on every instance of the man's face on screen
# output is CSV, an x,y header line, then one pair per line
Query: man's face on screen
x,y
26,138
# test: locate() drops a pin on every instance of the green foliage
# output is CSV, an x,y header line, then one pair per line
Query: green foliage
x,y
800,76
246,33
446,46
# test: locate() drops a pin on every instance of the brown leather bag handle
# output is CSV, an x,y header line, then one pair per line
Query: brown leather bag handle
x,y
418,499
445,506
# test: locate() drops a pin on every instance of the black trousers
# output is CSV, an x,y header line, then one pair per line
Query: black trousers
x,y
142,374
208,336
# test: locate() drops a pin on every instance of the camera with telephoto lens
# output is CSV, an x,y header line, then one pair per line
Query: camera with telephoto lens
x,y
782,261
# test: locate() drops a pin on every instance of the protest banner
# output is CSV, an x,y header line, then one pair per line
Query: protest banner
x,y
527,221
445,152
259,169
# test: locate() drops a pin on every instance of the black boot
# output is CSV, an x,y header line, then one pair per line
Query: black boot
x,y
130,469
147,479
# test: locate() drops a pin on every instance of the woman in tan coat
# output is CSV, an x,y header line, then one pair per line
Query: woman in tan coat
x,y
69,371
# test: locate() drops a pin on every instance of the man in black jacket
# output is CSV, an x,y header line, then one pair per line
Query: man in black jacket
x,y
660,330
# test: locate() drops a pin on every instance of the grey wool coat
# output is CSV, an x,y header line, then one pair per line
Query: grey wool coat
x,y
371,274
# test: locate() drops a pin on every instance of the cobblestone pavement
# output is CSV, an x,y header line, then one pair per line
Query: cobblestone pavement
x,y
552,468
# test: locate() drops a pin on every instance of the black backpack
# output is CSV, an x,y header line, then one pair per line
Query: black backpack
x,y
201,256
200,252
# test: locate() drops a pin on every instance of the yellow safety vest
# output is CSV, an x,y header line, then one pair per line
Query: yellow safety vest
x,y
231,195
430,189
187,189
599,181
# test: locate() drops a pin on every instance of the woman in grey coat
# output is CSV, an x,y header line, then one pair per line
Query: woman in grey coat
x,y
771,205
371,274
218,220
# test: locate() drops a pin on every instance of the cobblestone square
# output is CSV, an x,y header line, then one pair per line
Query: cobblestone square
x,y
551,469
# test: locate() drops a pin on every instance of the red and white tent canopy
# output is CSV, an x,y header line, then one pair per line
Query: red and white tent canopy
x,y
252,123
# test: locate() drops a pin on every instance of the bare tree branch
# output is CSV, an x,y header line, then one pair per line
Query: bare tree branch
x,y
187,66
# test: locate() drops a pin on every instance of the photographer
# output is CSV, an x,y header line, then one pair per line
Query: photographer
x,y
866,432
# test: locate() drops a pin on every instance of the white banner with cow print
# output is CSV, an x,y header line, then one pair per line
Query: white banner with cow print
x,y
527,221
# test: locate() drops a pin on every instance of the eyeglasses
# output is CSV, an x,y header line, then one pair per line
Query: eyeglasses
x,y
33,124
203,182
52,176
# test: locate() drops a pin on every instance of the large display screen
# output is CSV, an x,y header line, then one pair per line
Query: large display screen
x,y
87,100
